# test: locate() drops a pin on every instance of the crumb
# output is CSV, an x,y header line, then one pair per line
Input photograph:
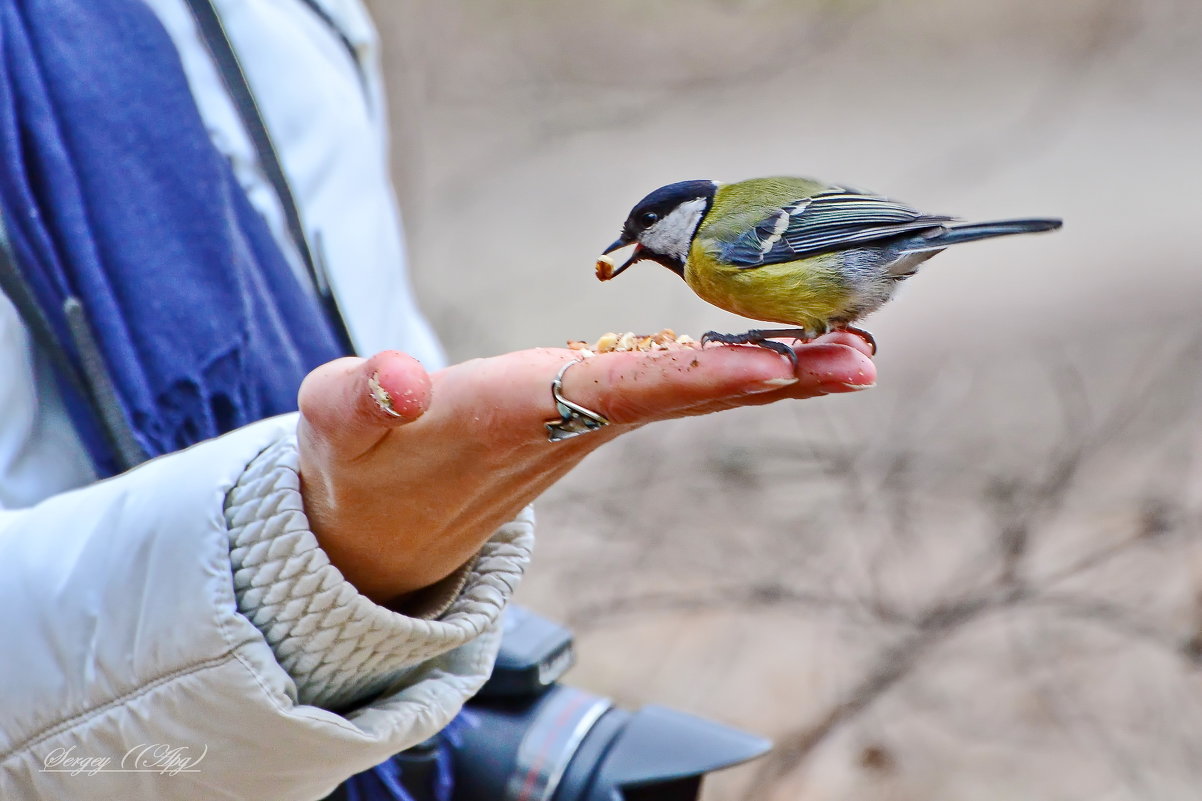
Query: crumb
x,y
667,339
606,343
605,268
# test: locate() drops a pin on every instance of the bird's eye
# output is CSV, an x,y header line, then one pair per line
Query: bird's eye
x,y
648,218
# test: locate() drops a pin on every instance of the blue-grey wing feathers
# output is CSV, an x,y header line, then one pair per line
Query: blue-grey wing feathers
x,y
822,223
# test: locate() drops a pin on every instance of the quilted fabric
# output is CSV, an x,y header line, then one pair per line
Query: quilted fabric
x,y
339,647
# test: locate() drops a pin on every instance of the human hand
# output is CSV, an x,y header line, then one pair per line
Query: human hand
x,y
400,502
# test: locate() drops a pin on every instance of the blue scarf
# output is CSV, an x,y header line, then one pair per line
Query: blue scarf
x,y
115,198
117,205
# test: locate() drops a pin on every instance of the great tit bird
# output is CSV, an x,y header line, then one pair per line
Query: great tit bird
x,y
806,254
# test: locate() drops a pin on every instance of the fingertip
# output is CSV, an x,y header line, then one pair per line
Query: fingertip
x,y
396,386
830,366
855,374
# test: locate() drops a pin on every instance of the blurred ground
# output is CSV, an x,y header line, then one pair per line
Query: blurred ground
x,y
983,578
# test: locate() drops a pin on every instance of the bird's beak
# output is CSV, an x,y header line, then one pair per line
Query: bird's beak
x,y
605,267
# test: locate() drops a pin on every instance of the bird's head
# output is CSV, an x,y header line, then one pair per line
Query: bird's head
x,y
661,226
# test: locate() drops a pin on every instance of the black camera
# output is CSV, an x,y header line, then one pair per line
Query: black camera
x,y
526,737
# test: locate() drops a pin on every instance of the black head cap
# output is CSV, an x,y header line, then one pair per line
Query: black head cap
x,y
651,210
661,202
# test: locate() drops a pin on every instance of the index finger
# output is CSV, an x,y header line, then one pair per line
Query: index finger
x,y
505,400
639,387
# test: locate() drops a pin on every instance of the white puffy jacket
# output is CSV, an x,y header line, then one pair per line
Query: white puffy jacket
x,y
176,632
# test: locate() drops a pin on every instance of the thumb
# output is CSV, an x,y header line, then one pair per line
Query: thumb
x,y
350,404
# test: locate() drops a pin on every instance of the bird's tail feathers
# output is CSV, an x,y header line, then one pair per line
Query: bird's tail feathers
x,y
948,235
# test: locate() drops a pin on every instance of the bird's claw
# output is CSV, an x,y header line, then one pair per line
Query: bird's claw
x,y
763,339
862,334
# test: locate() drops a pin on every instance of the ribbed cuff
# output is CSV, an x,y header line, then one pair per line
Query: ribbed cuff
x,y
339,647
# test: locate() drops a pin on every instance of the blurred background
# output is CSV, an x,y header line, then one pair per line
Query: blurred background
x,y
981,579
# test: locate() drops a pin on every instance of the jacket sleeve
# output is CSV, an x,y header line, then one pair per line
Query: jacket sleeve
x,y
176,633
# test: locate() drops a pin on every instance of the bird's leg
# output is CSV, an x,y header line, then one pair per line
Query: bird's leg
x,y
862,334
763,338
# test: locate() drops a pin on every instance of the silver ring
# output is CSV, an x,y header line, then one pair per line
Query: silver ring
x,y
574,419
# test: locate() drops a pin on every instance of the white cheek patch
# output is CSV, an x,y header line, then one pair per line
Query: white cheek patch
x,y
673,234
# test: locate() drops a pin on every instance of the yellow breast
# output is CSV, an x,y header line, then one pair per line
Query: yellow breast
x,y
806,293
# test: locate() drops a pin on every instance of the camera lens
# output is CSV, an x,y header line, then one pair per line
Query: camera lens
x,y
571,745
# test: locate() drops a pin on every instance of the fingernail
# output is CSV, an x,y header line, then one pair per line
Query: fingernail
x,y
770,384
381,396
847,387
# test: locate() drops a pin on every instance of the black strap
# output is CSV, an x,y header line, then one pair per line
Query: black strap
x,y
91,381
13,285
236,84
103,392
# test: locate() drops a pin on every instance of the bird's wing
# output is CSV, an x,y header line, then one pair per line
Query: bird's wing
x,y
828,221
